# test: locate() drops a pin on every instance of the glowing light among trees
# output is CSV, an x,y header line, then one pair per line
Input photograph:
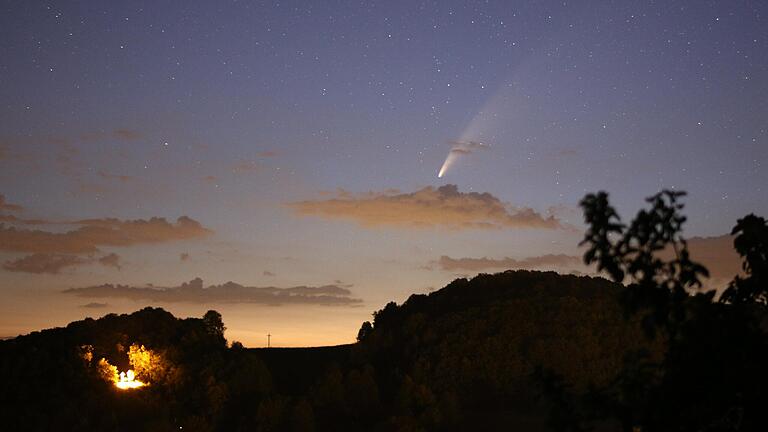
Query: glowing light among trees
x,y
127,380
146,364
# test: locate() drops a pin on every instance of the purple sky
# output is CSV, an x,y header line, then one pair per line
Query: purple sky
x,y
301,143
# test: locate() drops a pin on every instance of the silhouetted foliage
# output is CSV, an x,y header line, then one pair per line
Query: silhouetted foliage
x,y
465,356
632,252
518,350
751,243
214,325
460,356
51,377
711,376
365,330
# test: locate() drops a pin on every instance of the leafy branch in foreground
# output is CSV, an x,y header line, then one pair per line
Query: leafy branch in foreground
x,y
633,254
711,375
752,244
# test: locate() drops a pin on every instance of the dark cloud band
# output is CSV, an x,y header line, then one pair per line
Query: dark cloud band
x,y
230,292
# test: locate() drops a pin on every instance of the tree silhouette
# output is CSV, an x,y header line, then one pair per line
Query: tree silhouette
x,y
633,253
364,331
752,244
214,325
712,375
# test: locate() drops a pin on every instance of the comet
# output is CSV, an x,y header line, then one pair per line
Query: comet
x,y
498,111
459,149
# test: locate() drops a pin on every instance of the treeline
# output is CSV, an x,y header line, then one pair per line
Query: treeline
x,y
515,349
518,350
463,355
52,379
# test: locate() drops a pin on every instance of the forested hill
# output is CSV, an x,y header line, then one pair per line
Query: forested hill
x,y
473,353
469,354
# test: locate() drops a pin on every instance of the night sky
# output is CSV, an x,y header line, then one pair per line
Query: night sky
x,y
287,154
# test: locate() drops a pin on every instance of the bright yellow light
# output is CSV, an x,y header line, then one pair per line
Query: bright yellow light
x,y
146,363
127,380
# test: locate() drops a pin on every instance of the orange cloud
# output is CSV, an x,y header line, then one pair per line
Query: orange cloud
x,y
94,305
93,233
230,292
101,135
715,253
428,207
126,134
6,206
246,166
42,263
19,221
537,262
54,263
110,260
108,176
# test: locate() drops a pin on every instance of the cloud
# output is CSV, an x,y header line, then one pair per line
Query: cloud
x,y
120,134
93,233
230,292
715,253
19,221
94,305
250,165
245,167
467,147
108,176
537,262
53,263
568,152
43,263
110,260
428,207
126,134
6,206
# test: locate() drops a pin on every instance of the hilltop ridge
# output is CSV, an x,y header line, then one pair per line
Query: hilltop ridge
x,y
438,361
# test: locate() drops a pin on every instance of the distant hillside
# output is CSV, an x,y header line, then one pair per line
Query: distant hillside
x,y
498,328
295,370
467,354
471,350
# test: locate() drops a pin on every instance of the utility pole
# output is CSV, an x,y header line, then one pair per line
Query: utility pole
x,y
269,340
